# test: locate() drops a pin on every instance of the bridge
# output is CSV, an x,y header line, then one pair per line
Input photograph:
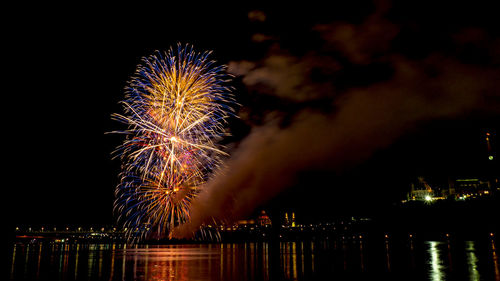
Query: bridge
x,y
103,233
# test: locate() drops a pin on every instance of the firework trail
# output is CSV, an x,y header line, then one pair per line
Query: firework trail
x,y
175,109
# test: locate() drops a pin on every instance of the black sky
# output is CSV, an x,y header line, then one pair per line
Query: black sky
x,y
67,67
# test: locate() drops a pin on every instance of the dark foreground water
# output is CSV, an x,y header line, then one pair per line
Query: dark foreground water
x,y
354,259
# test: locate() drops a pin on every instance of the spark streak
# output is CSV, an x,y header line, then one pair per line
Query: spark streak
x,y
175,109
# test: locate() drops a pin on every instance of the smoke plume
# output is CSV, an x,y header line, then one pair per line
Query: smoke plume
x,y
359,117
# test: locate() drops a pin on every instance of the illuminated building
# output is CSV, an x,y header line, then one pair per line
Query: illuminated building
x,y
461,188
249,222
289,221
471,187
263,219
421,191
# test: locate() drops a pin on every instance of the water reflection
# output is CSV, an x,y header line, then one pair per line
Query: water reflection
x,y
495,260
387,255
437,269
12,267
294,260
472,261
361,256
440,268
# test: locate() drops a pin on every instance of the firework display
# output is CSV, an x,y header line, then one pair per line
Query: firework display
x,y
175,109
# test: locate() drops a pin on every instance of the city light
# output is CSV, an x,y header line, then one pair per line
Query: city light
x,y
428,198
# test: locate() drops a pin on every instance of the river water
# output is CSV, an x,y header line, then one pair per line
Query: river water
x,y
353,259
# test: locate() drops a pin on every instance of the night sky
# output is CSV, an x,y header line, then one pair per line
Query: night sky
x,y
67,68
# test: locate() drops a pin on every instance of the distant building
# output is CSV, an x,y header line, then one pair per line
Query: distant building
x,y
470,187
460,188
421,191
464,188
246,222
263,219
289,220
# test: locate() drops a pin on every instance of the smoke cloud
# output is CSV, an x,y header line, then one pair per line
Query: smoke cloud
x,y
359,118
